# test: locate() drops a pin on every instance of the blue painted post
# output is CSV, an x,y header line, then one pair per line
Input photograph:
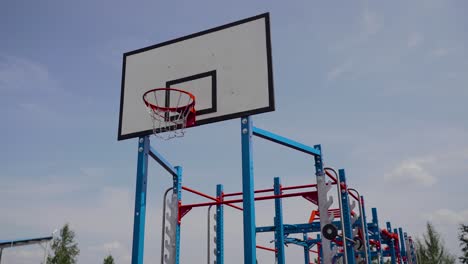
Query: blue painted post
x,y
279,230
323,204
250,254
391,245
366,231
397,247
219,226
140,201
177,185
375,221
414,253
404,257
348,232
306,250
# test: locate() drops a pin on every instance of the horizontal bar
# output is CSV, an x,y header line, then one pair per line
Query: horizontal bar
x,y
270,190
261,198
299,187
292,229
240,193
285,141
209,197
162,161
266,248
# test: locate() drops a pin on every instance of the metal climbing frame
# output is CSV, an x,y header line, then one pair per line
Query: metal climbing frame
x,y
399,249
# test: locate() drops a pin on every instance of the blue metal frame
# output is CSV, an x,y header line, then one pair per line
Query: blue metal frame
x,y
348,232
391,245
250,254
140,201
402,246
366,231
326,246
162,161
177,185
279,230
375,229
285,141
292,229
306,250
219,226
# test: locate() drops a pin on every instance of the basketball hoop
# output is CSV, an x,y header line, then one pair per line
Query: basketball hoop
x,y
171,111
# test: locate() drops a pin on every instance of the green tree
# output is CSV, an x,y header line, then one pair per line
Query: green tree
x,y
431,249
109,260
463,237
64,247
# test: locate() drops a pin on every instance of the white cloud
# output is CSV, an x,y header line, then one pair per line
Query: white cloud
x,y
371,21
107,247
415,39
440,52
447,216
339,70
412,172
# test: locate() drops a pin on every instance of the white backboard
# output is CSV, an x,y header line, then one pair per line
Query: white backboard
x,y
227,68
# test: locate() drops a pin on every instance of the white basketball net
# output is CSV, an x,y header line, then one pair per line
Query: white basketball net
x,y
171,111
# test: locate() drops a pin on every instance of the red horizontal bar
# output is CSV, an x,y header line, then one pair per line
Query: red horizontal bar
x,y
209,197
335,181
271,190
265,248
199,193
261,198
299,187
240,193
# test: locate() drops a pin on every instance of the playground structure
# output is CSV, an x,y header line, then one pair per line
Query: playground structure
x,y
215,82
4,244
364,240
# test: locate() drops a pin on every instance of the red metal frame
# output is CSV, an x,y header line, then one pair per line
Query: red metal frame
x,y
261,198
267,248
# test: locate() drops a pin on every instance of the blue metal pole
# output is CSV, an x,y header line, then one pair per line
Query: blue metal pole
x,y
397,247
219,226
248,192
279,230
366,231
402,246
414,253
306,250
324,203
375,221
391,245
177,185
140,201
348,232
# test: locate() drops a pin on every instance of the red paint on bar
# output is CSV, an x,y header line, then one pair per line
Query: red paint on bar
x,y
209,197
299,187
331,176
261,198
240,193
271,190
266,248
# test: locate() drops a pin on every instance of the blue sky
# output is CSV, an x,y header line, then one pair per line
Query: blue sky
x,y
382,86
